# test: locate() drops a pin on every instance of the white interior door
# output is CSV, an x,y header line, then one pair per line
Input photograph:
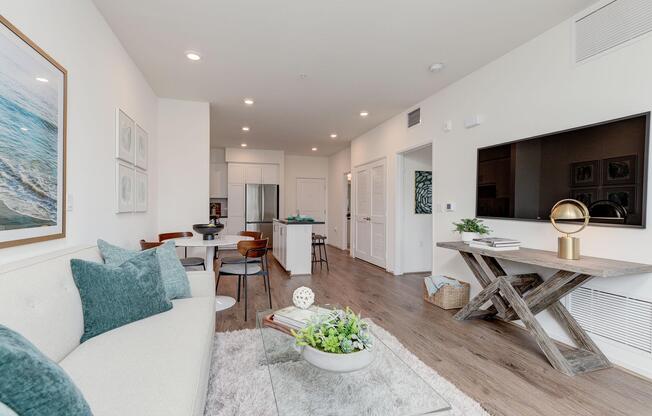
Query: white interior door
x,y
371,213
311,201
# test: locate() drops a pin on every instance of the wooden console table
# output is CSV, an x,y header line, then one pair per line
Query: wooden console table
x,y
523,296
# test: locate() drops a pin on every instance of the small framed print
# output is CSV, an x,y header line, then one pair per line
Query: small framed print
x,y
141,191
585,173
125,137
625,196
141,149
124,187
619,170
587,196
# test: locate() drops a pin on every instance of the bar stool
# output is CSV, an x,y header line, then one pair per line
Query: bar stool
x,y
319,242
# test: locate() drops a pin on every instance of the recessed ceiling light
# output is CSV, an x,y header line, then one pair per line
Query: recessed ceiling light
x,y
24,128
314,149
41,79
243,145
245,128
333,136
364,113
193,56
249,101
436,67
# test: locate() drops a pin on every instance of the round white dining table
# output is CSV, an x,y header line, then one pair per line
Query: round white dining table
x,y
220,242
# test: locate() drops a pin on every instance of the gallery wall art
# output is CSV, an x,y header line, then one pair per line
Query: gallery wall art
x,y
422,192
141,148
125,187
141,191
32,141
132,150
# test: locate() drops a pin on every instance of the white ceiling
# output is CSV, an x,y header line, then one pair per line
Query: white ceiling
x,y
357,54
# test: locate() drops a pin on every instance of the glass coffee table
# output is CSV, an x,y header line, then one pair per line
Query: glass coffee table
x,y
388,387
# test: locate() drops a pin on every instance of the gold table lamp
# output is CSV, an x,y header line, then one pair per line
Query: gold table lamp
x,y
569,210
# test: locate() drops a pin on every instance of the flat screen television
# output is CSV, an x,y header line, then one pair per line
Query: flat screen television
x,y
603,165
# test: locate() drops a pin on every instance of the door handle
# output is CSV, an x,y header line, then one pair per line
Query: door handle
x,y
367,218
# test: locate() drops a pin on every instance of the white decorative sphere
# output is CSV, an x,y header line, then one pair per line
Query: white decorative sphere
x,y
303,297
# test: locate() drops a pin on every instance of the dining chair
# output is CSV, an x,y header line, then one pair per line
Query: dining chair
x,y
249,249
146,245
185,261
256,235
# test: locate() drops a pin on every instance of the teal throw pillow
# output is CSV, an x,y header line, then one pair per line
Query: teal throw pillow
x,y
113,296
33,385
175,279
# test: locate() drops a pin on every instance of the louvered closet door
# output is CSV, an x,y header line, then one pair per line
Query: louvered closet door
x,y
370,213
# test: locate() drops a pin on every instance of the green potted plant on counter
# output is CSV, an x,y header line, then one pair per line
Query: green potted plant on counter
x,y
338,341
471,228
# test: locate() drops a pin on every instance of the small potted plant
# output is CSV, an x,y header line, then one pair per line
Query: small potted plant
x,y
470,228
338,341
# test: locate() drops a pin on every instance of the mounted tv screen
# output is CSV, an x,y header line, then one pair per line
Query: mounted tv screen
x,y
603,165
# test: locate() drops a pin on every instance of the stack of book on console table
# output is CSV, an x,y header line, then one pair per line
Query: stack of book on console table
x,y
292,317
495,244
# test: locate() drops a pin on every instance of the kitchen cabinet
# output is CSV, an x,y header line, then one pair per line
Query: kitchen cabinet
x,y
236,221
253,174
270,174
218,180
235,225
236,173
292,247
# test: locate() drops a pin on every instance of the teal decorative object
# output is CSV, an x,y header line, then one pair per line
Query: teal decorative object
x,y
33,385
175,280
113,296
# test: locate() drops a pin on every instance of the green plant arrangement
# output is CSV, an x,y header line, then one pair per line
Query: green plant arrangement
x,y
338,332
471,225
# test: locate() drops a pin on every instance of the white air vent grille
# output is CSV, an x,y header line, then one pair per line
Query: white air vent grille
x,y
611,25
619,318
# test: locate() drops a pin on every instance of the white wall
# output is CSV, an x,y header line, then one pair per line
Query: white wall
x,y
416,229
302,167
101,78
339,165
184,163
532,90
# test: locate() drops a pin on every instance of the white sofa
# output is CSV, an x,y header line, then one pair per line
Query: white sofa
x,y
157,366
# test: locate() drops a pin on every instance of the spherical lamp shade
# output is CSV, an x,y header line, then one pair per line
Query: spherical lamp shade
x,y
568,213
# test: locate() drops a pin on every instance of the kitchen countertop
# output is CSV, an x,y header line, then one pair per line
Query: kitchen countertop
x,y
286,222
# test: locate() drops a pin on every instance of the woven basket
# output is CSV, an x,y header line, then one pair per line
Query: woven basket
x,y
449,297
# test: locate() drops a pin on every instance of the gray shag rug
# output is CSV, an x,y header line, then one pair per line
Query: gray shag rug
x,y
240,381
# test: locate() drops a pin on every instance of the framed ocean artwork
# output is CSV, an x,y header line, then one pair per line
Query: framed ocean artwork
x,y
32,141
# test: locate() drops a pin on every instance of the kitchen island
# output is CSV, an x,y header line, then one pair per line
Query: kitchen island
x,y
293,245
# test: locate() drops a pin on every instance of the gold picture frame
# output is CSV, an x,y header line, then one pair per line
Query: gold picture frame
x,y
27,224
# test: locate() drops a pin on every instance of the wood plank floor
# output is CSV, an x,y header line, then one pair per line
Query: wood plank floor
x,y
495,363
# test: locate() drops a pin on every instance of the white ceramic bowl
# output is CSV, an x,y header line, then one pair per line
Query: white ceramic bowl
x,y
338,363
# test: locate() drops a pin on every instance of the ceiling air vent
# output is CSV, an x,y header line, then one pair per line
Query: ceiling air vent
x,y
414,117
613,24
619,318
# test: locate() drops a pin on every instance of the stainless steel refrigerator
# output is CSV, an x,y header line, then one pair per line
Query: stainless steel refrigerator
x,y
261,207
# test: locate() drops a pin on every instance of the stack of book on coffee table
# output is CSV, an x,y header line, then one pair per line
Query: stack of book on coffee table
x,y
292,318
495,244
